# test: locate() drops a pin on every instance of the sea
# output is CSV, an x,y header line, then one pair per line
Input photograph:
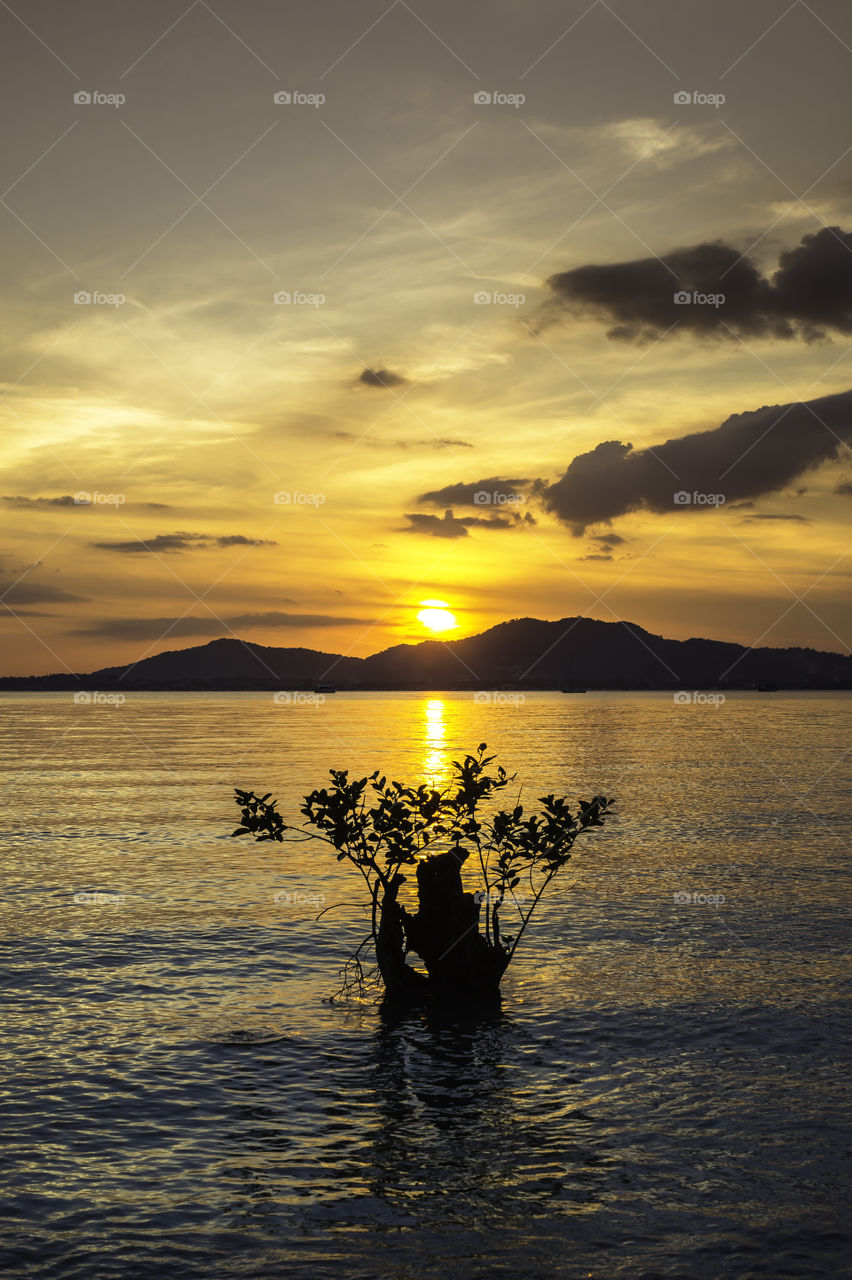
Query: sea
x,y
660,1092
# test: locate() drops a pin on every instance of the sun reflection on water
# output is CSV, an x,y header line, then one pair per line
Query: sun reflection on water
x,y
435,764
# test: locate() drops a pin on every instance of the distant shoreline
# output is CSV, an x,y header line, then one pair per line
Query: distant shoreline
x,y
68,684
569,656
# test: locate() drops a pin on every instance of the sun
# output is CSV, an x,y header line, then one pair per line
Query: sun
x,y
435,616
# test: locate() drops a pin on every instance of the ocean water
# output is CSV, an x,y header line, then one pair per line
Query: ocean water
x,y
659,1094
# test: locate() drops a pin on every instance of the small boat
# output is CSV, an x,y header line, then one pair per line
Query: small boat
x,y
767,686
325,688
570,673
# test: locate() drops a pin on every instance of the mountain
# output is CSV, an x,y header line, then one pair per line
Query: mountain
x,y
524,653
597,655
232,664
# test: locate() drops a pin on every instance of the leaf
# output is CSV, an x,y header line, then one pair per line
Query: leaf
x,y
240,831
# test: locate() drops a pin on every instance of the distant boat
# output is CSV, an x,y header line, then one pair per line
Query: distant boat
x,y
570,673
767,686
325,688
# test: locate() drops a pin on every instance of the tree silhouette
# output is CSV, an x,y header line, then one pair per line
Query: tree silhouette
x,y
382,827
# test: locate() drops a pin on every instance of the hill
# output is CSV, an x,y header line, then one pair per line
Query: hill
x,y
523,653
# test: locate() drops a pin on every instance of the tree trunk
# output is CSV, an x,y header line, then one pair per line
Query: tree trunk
x,y
399,978
444,932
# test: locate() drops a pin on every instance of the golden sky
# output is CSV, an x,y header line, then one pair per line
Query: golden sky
x,y
258,467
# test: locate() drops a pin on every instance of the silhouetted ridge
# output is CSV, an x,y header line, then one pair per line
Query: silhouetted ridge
x,y
523,653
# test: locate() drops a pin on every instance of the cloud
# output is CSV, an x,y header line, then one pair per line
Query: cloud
x,y
240,540
66,500
374,442
35,593
464,495
451,526
813,284
845,487
809,294
17,500
749,455
595,556
754,519
172,628
381,378
182,542
278,619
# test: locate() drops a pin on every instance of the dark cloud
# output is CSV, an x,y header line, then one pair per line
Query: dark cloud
x,y
159,542
16,593
596,556
240,540
749,455
182,542
496,490
608,541
66,500
17,500
809,294
382,378
813,283
754,519
171,628
845,487
451,526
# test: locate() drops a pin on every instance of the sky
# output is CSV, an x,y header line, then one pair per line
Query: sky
x,y
314,313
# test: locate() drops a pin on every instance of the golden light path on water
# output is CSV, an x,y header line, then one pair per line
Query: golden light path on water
x,y
435,741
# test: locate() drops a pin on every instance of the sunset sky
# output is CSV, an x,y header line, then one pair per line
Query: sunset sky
x,y
283,470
